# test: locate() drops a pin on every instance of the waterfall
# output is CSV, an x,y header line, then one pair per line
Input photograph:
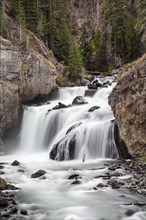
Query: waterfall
x,y
75,132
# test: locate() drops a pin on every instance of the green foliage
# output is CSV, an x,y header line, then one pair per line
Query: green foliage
x,y
124,37
93,51
75,62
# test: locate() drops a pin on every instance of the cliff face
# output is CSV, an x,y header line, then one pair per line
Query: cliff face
x,y
128,101
28,70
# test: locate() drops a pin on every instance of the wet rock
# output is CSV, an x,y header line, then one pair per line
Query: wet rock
x,y
90,92
2,173
1,167
59,150
95,84
74,176
11,187
21,171
76,182
23,212
3,184
114,184
60,106
73,127
38,174
79,100
129,212
112,168
101,185
13,210
3,201
92,109
127,101
140,204
15,163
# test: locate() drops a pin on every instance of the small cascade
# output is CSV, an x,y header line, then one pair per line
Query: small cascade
x,y
77,132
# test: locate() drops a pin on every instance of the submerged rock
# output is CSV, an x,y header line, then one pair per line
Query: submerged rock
x,y
38,174
79,100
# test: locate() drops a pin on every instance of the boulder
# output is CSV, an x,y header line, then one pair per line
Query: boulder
x,y
79,100
15,163
64,149
38,174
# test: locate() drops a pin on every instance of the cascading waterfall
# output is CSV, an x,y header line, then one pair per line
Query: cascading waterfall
x,y
71,189
74,132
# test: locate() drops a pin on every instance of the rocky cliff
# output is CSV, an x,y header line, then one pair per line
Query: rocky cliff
x,y
128,101
28,71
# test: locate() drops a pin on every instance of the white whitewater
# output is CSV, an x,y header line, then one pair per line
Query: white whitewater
x,y
93,132
55,197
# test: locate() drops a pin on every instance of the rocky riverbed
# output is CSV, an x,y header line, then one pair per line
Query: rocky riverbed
x,y
124,176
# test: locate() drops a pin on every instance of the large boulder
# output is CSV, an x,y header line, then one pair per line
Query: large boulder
x,y
79,100
64,149
128,102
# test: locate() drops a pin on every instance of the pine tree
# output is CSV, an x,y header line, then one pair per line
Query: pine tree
x,y
75,62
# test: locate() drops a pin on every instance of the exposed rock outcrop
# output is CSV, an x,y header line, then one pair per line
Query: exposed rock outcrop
x,y
26,73
128,101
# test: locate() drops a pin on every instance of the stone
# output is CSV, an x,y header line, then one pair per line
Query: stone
x,y
13,210
92,109
3,201
3,184
127,101
76,182
38,174
129,212
11,187
73,127
21,171
68,141
25,75
79,100
60,106
23,212
74,176
15,163
101,185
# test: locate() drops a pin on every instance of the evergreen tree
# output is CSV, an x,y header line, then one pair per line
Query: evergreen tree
x,y
75,62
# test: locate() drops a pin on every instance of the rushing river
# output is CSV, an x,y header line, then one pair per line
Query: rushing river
x,y
55,197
